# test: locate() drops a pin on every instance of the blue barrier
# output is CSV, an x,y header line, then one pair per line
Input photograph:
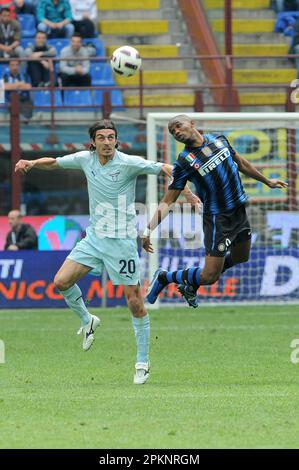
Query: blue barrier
x,y
26,279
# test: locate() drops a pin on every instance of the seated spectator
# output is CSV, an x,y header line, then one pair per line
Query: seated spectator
x,y
24,8
75,72
15,80
10,5
22,236
285,5
39,71
294,47
9,35
84,15
54,18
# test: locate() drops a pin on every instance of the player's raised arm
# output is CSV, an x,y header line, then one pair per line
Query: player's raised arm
x,y
46,163
248,169
188,194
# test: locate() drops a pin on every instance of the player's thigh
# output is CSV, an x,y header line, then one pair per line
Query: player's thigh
x,y
69,273
240,251
216,235
121,260
212,269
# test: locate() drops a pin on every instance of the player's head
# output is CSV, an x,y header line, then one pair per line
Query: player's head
x,y
14,219
103,136
183,129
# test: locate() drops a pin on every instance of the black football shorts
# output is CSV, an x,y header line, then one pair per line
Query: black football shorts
x,y
224,230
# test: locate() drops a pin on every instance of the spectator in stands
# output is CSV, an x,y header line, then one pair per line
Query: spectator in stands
x,y
294,48
10,5
22,236
285,5
15,80
84,16
39,71
9,35
55,18
24,8
75,72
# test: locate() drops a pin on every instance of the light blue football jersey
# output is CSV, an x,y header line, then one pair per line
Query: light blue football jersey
x,y
111,190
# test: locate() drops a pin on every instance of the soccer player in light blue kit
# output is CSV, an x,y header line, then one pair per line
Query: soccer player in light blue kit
x,y
111,237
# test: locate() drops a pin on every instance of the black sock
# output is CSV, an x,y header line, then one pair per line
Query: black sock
x,y
189,277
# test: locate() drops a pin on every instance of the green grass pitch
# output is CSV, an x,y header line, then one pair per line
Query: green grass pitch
x,y
221,377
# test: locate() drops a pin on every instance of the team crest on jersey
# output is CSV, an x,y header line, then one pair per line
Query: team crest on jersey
x,y
219,144
207,151
114,176
221,247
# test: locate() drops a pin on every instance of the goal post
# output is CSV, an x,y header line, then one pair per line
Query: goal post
x,y
269,142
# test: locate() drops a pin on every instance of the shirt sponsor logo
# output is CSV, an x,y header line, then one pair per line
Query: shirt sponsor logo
x,y
211,164
214,162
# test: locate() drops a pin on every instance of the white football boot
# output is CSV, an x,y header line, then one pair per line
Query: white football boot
x,y
88,332
141,372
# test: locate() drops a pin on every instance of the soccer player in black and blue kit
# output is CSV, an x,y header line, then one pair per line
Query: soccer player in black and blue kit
x,y
213,166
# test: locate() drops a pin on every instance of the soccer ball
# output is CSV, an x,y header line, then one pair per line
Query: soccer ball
x,y
125,61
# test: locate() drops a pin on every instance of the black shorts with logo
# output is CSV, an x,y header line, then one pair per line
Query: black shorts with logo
x,y
225,230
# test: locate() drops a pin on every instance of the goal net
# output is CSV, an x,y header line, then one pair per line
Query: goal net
x,y
269,142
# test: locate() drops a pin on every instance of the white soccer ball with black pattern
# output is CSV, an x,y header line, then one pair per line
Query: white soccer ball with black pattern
x,y
125,61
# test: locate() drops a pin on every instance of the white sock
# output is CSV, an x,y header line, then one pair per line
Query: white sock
x,y
141,327
74,299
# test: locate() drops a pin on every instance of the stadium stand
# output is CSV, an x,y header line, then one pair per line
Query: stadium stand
x,y
78,98
58,43
101,74
28,25
256,28
116,99
160,35
254,34
43,98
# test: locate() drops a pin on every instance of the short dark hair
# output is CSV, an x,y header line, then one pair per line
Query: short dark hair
x,y
5,9
77,35
41,32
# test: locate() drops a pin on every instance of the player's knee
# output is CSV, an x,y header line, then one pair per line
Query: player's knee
x,y
61,283
135,304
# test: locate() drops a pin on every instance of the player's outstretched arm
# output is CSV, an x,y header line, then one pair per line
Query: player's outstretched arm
x,y
248,169
161,212
23,166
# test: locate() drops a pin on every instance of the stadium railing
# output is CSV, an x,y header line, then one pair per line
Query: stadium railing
x,y
200,90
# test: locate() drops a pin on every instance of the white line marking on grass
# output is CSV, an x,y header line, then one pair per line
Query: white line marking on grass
x,y
172,328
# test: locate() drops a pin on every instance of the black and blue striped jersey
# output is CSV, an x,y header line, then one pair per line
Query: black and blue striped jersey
x,y
214,173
